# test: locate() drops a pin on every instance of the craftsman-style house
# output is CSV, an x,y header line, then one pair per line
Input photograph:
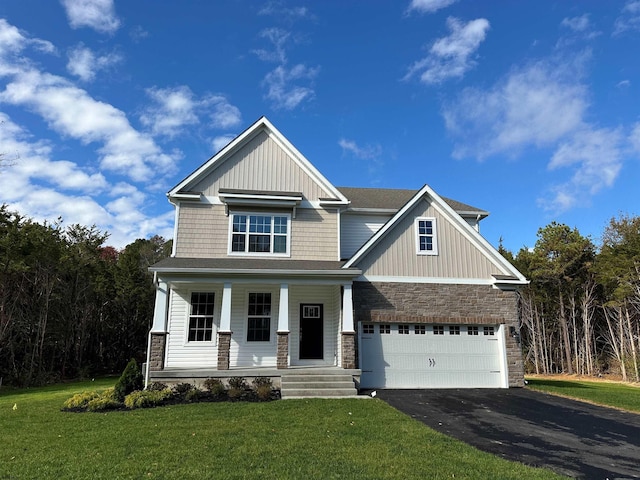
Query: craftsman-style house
x,y
275,271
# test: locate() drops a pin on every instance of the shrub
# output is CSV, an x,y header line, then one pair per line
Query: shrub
x,y
147,398
237,386
181,389
156,386
80,401
215,386
103,403
193,395
263,387
130,380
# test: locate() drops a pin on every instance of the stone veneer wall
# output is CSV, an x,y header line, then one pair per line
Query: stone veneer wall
x,y
156,359
224,346
386,302
282,354
348,350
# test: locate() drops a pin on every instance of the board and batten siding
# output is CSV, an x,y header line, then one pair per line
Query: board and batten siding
x,y
396,254
328,296
261,165
203,232
356,229
181,353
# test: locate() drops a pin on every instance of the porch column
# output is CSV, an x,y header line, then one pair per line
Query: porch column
x,y
158,333
283,328
224,333
348,332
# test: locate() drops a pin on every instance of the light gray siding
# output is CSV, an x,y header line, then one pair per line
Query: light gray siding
x,y
457,257
261,165
356,229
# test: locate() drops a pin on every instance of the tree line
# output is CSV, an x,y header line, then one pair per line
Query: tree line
x,y
71,307
581,311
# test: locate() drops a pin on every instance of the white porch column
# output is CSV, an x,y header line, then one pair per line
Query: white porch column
x,y
283,311
225,313
347,309
160,310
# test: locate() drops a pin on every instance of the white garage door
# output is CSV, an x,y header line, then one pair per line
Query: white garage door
x,y
431,356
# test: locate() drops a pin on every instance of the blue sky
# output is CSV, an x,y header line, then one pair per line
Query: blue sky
x,y
527,109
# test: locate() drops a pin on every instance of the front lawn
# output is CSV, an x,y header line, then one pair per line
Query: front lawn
x,y
347,438
610,394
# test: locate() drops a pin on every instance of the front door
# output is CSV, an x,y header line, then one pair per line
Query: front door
x,y
311,332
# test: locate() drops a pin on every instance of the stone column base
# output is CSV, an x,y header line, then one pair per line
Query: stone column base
x,y
348,350
224,345
283,350
156,358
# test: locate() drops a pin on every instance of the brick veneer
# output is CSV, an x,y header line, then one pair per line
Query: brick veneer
x,y
224,345
156,358
348,350
443,303
283,350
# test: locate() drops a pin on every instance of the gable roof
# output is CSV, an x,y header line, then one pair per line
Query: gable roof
x,y
509,274
261,125
394,198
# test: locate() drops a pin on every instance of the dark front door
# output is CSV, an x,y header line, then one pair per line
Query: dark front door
x,y
311,321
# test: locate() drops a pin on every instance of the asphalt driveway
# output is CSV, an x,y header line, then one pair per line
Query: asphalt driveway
x,y
571,438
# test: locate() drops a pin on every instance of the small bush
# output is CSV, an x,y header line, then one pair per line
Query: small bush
x,y
147,398
103,403
156,386
237,387
193,395
215,386
181,389
263,387
130,380
80,401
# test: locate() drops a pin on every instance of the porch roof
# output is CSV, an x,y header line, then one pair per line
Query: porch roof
x,y
253,266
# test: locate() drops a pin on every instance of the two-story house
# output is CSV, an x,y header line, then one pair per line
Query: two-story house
x,y
275,271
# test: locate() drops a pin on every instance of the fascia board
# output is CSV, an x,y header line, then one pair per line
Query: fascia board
x,y
272,272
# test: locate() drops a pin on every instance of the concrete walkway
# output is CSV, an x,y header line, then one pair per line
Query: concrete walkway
x,y
571,438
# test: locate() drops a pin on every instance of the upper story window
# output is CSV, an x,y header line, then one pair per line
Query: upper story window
x,y
260,234
426,238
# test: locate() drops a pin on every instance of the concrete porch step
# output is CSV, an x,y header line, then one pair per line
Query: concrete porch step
x,y
321,384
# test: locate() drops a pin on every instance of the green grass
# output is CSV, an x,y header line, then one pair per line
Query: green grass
x,y
611,394
298,439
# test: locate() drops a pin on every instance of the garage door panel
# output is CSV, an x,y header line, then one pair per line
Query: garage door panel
x,y
395,360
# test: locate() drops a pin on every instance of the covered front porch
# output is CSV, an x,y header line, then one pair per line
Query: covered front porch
x,y
275,318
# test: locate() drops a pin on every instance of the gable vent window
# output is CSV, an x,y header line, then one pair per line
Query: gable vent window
x,y
260,234
426,238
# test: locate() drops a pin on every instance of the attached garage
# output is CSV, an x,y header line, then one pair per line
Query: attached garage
x,y
432,356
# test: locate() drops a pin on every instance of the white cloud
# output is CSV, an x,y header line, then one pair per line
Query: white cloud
x,y
278,39
629,18
451,56
175,108
536,105
276,9
577,24
97,14
13,41
366,153
84,64
281,89
429,6
222,141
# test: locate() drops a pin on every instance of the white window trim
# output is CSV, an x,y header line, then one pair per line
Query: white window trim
x,y
259,254
216,319
434,236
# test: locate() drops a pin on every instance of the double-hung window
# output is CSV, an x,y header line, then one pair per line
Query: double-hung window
x,y
201,317
259,317
260,234
426,238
